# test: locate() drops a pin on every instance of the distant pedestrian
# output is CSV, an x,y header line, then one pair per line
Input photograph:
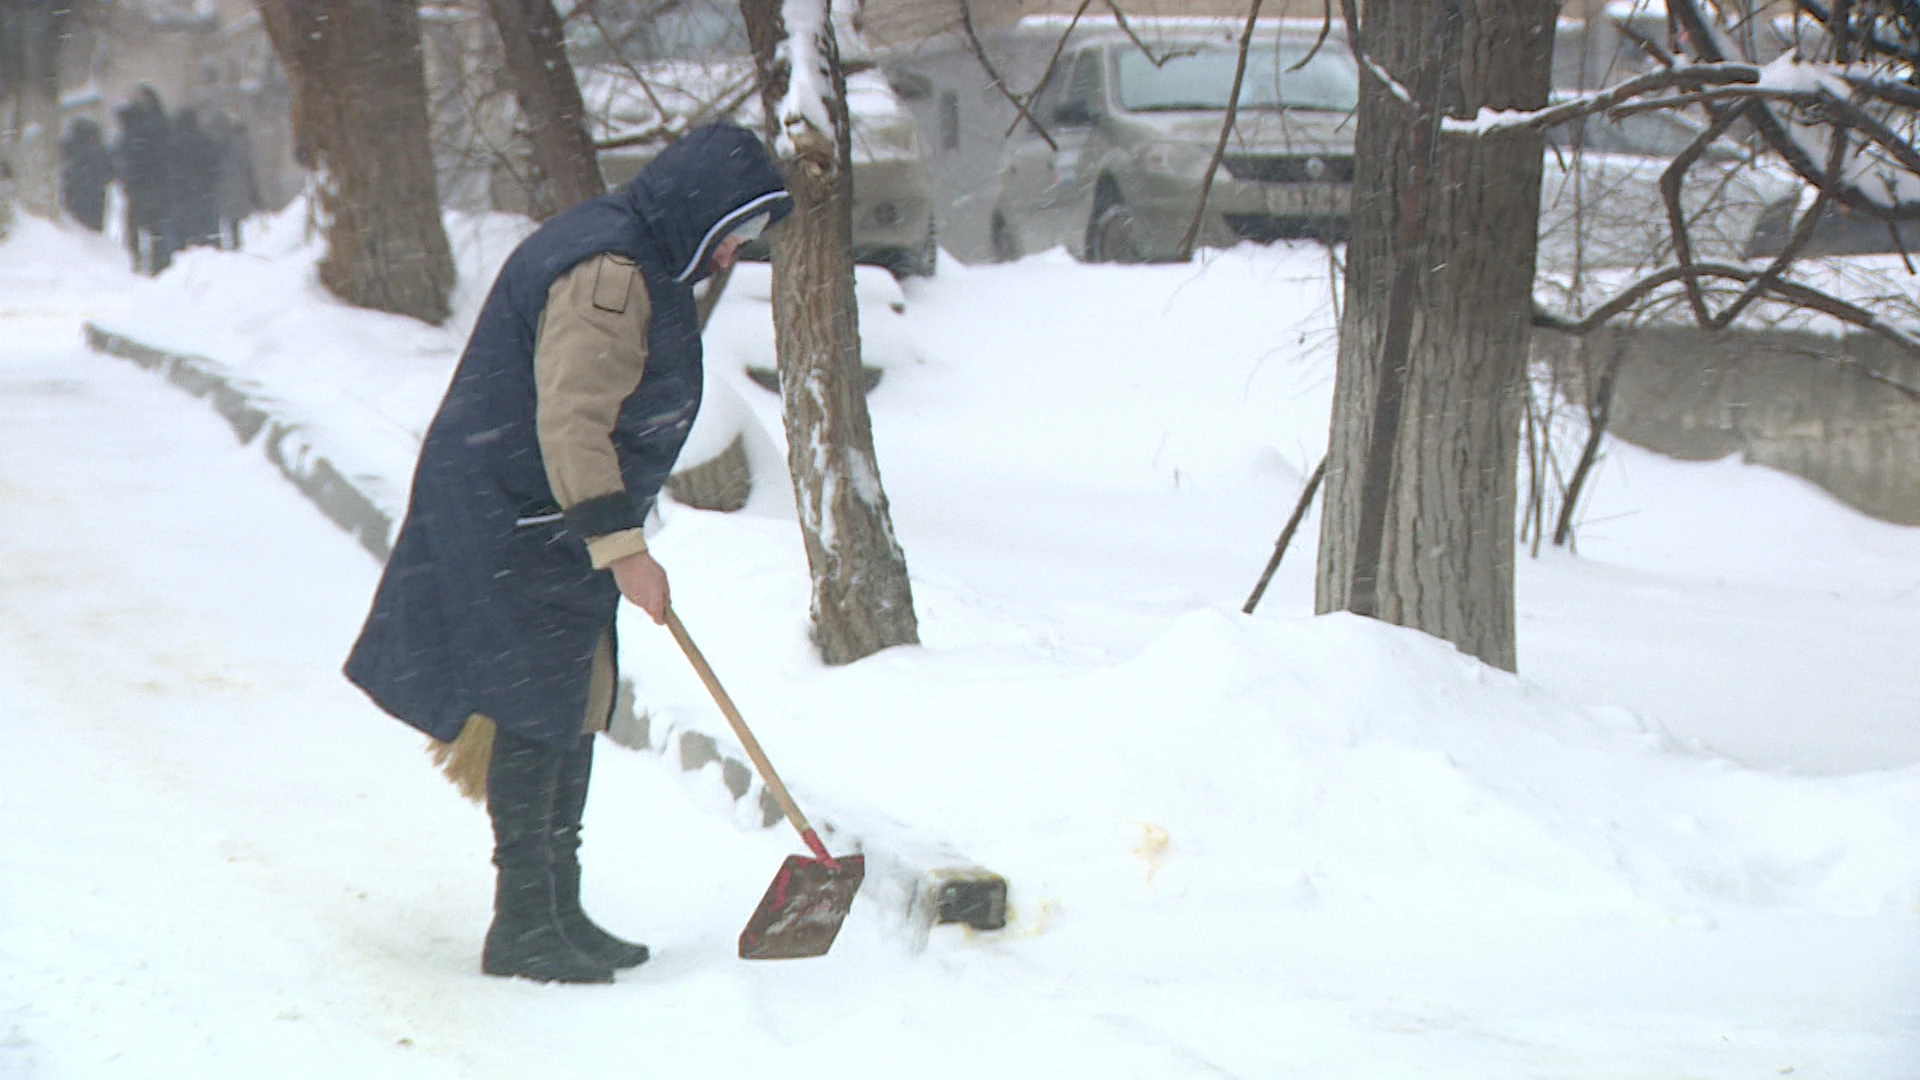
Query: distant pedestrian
x,y
6,196
142,163
195,172
237,186
86,168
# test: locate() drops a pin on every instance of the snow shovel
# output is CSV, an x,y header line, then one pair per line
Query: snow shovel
x,y
802,911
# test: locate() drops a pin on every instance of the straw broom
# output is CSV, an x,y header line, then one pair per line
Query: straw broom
x,y
464,760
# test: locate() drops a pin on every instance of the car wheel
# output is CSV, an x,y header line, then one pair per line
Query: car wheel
x,y
923,262
1005,250
1111,236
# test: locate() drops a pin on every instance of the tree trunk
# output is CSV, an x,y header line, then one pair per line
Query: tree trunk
x,y
30,38
862,598
565,165
1446,544
360,115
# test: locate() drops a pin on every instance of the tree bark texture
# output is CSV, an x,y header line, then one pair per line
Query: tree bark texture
x,y
1446,551
360,116
566,167
862,598
31,34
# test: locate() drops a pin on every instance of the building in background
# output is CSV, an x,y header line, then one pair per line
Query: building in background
x,y
207,55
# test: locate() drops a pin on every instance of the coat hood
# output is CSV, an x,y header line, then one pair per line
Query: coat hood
x,y
700,187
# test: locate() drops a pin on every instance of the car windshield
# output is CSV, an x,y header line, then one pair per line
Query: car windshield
x,y
1200,78
687,31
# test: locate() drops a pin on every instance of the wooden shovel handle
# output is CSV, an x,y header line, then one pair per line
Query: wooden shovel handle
x,y
752,745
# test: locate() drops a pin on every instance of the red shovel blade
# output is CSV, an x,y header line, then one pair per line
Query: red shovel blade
x,y
803,909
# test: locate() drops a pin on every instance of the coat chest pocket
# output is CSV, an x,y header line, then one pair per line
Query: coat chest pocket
x,y
613,283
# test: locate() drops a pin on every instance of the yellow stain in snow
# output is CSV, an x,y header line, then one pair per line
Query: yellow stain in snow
x,y
1034,920
1152,848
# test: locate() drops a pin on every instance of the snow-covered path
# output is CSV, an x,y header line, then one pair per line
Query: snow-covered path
x,y
220,861
217,860
202,814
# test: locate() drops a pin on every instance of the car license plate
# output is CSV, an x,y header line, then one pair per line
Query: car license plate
x,y
1307,200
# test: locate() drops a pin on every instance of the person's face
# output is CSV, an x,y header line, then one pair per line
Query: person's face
x,y
724,252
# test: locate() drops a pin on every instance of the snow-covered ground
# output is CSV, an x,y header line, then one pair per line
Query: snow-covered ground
x,y
1681,843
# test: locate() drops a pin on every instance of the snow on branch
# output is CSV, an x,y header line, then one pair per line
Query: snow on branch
x,y
1882,174
1491,122
1874,179
1785,79
1356,45
1843,125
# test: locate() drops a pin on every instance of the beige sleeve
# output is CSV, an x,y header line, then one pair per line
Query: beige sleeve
x,y
603,550
589,354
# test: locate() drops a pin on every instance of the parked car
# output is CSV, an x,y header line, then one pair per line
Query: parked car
x,y
892,193
1840,231
1132,138
1600,200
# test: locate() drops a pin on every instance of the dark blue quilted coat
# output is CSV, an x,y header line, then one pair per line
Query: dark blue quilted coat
x,y
489,603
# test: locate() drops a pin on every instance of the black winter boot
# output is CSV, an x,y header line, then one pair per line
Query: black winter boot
x,y
525,939
570,802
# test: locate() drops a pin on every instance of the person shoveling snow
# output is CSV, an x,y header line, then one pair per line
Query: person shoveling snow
x,y
492,629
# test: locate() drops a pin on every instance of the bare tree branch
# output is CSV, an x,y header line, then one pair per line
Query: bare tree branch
x,y
1904,51
1894,93
1831,111
1286,536
1053,62
1185,250
1599,412
1706,42
730,101
1120,18
1670,182
620,54
1842,31
1326,30
1900,245
1821,106
1802,233
994,76
1728,81
1608,100
1799,295
1647,45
